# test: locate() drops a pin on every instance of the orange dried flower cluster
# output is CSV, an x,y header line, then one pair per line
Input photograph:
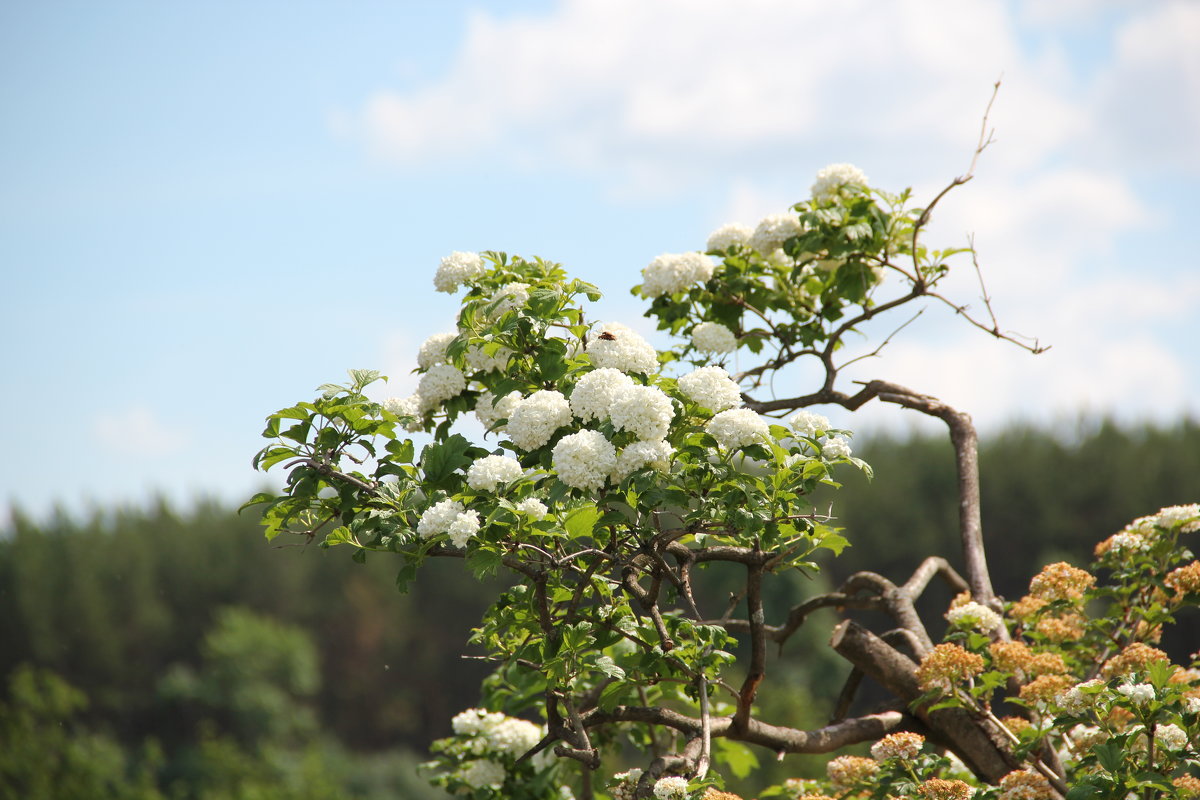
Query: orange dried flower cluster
x,y
1061,629
713,794
1027,607
1010,656
814,797
946,665
1185,580
1061,581
1025,784
1045,688
1016,724
1135,657
845,771
942,789
1047,664
1188,785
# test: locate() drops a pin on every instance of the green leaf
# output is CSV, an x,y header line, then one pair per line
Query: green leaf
x,y
609,667
740,759
439,461
581,521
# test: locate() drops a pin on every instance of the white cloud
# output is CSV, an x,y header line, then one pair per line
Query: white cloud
x,y
661,95
138,431
1148,98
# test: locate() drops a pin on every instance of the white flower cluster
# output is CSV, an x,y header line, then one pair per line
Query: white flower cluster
x,y
486,473
483,772
671,787
835,447
737,427
835,178
406,407
640,455
727,236
712,388
1128,541
713,337
614,345
438,518
974,615
532,507
584,460
433,349
456,268
806,423
1192,705
534,419
1075,700
625,784
596,392
479,361
773,231
449,517
1171,736
489,410
675,272
1188,516
1137,693
644,411
439,384
495,733
508,297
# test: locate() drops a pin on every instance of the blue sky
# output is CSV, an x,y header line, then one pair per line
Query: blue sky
x,y
209,209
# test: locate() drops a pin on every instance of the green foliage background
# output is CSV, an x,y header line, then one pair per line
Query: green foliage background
x,y
184,656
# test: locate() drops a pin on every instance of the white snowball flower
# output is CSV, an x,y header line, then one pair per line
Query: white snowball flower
x,y
644,411
737,427
614,345
433,349
535,419
438,518
440,383
483,772
974,615
713,337
1189,515
464,526
490,471
584,460
806,423
456,268
532,507
773,231
835,177
596,391
410,406
507,297
489,410
671,787
727,236
479,361
514,736
475,721
675,272
1171,736
836,447
712,388
640,455
1138,693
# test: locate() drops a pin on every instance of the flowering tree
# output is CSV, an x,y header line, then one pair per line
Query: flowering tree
x,y
613,480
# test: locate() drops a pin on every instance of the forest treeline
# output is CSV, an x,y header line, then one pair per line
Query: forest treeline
x,y
167,654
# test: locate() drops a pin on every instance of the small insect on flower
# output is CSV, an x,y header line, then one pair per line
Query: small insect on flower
x,y
606,336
